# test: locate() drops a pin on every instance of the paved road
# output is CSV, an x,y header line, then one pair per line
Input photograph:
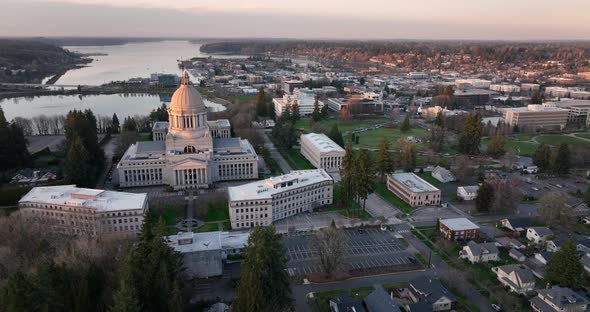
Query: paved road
x,y
109,151
274,153
39,142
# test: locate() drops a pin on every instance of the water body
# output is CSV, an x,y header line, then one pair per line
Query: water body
x,y
131,60
102,105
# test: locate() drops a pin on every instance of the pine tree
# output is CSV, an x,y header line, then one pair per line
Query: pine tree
x,y
470,139
347,177
125,296
542,156
115,122
264,283
18,294
261,103
561,161
13,145
324,111
362,176
485,197
295,115
564,267
336,136
405,126
76,167
384,163
316,114
496,146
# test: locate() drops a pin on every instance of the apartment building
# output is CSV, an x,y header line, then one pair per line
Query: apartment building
x,y
321,151
265,201
413,190
536,116
72,210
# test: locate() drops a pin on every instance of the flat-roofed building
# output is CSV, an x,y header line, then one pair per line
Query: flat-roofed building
x,y
458,228
265,201
290,85
73,210
557,92
530,87
322,152
536,116
413,190
578,110
472,83
303,98
505,88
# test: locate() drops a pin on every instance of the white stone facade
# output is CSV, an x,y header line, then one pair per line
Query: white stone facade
x,y
265,201
72,210
322,152
195,152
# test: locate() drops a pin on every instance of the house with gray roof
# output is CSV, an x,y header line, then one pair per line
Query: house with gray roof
x,y
380,301
477,253
346,303
538,234
424,289
557,299
517,277
442,174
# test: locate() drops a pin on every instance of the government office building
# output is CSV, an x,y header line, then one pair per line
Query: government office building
x,y
188,151
413,190
81,211
322,152
265,201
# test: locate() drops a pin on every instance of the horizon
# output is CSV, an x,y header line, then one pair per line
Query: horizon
x,y
502,20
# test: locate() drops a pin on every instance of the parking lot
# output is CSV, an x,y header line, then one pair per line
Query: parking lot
x,y
366,248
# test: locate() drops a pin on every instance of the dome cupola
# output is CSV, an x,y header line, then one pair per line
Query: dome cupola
x,y
186,99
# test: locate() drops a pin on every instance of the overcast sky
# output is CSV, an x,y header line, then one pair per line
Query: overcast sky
x,y
338,19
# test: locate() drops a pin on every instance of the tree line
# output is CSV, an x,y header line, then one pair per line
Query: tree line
x,y
13,145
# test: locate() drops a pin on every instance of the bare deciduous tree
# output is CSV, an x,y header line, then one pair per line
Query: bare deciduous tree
x,y
554,210
329,244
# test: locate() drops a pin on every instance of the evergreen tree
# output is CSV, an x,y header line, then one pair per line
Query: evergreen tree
x,y
295,115
405,126
324,111
284,134
80,127
125,296
470,139
336,136
485,197
13,145
564,267
261,103
18,294
264,283
160,113
561,162
408,156
384,163
129,125
316,115
362,175
115,122
496,146
77,164
347,177
542,156
587,196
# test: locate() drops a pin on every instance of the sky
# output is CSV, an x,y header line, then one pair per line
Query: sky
x,y
305,19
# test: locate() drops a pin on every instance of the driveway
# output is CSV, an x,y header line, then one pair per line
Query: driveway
x,y
379,207
274,153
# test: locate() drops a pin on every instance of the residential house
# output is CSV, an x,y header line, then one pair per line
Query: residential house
x,y
442,174
518,278
558,299
439,298
467,192
509,243
30,176
516,255
477,253
585,261
538,234
517,225
346,303
458,229
543,257
380,301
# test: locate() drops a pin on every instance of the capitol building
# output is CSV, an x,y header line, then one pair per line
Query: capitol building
x,y
188,151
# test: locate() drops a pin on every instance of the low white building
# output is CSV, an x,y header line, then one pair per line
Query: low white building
x,y
478,253
504,88
442,174
303,98
81,211
265,201
538,234
321,151
204,253
413,190
467,192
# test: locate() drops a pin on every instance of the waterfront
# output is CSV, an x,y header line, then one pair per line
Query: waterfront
x,y
131,60
102,105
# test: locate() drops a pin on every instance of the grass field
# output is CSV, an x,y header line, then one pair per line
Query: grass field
x,y
297,161
208,227
167,212
525,144
381,189
217,211
305,124
372,138
584,135
427,176
558,139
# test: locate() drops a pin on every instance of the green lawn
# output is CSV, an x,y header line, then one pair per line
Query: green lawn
x,y
305,124
585,135
389,287
217,211
208,227
381,189
372,138
356,214
558,139
297,161
169,213
427,176
145,137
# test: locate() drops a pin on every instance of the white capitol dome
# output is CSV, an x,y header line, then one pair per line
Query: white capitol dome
x,y
186,99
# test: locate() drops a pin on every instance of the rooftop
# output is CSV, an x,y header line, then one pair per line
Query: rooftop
x,y
264,189
459,224
414,182
322,142
536,108
102,201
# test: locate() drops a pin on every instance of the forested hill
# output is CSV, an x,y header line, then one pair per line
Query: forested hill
x,y
31,61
